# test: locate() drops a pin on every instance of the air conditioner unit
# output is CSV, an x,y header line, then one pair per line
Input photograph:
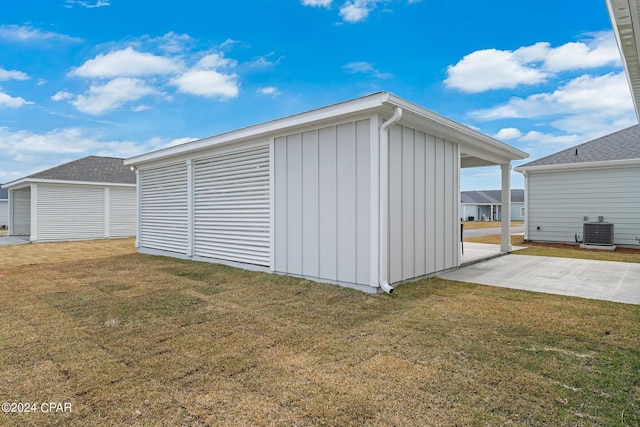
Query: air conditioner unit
x,y
597,233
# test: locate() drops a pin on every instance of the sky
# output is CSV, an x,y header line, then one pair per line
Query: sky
x,y
124,77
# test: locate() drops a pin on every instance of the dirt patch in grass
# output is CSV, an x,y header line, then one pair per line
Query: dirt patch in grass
x,y
130,339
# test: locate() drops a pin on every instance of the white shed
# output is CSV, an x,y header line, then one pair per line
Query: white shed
x,y
4,208
90,198
364,194
599,179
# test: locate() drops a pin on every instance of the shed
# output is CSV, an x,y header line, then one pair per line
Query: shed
x,y
364,194
90,198
478,205
600,178
4,207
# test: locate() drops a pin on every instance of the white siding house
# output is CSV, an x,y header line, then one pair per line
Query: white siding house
x,y
600,178
4,208
478,205
363,194
90,198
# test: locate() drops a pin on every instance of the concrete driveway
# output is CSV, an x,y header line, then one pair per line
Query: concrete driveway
x,y
13,240
603,280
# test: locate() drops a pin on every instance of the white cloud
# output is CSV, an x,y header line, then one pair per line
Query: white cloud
x,y
491,69
213,61
26,33
126,62
62,96
113,95
606,95
506,134
12,102
139,108
317,3
207,83
365,68
12,75
269,90
356,10
98,3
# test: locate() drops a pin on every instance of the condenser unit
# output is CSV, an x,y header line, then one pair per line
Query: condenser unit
x,y
597,233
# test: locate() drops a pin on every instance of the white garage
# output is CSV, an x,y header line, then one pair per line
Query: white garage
x,y
90,198
364,194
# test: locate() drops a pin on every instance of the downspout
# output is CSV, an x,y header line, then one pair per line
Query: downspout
x,y
384,200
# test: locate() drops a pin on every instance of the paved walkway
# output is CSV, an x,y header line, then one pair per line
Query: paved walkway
x,y
473,232
13,240
603,280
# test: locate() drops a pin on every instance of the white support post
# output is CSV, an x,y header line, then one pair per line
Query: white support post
x,y
505,245
34,213
139,207
11,202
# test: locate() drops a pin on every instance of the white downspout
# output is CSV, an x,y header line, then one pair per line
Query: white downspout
x,y
384,200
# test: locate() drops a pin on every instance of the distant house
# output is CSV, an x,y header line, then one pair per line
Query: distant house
x,y
600,178
4,207
363,194
487,205
90,198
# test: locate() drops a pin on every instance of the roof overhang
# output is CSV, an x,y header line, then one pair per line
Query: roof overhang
x,y
624,15
25,182
477,149
583,165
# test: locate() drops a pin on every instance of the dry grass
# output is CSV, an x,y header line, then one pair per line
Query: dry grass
x,y
562,250
471,225
130,339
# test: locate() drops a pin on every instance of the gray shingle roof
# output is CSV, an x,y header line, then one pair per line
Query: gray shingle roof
x,y
621,145
4,193
490,197
90,169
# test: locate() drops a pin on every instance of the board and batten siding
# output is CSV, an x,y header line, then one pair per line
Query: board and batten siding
x,y
423,206
231,206
558,201
21,212
4,213
322,212
163,204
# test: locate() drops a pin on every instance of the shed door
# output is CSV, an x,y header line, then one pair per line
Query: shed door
x,y
163,208
231,206
22,212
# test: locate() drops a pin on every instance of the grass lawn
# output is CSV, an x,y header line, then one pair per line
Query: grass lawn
x,y
562,250
131,339
471,225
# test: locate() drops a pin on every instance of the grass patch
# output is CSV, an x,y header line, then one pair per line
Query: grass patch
x,y
562,250
471,225
131,339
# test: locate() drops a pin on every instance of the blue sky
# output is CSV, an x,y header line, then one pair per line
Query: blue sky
x,y
123,77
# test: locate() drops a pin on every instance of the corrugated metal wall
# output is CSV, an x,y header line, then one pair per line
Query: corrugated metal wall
x,y
22,212
612,193
70,212
322,203
423,204
163,208
122,212
231,206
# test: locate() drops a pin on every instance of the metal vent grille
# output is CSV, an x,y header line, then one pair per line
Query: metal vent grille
x,y
598,233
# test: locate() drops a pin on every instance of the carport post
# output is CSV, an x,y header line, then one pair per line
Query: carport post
x,y
505,243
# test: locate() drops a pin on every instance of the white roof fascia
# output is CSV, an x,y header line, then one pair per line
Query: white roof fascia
x,y
263,130
462,134
583,165
23,182
626,25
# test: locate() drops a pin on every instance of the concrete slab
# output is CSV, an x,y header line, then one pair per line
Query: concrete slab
x,y
13,240
475,252
603,280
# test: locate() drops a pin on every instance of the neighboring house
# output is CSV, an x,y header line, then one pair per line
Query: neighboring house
x,y
487,205
364,194
90,198
600,178
4,207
